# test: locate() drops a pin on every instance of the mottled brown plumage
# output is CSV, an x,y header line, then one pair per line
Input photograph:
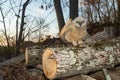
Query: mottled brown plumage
x,y
74,31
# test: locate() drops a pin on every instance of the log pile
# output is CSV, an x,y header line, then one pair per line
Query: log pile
x,y
69,61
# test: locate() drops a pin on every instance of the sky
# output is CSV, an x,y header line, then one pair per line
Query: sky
x,y
33,11
49,15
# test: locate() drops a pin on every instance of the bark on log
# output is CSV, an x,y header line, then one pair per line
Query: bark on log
x,y
69,61
33,55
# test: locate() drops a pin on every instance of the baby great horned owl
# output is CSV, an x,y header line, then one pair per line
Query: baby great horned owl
x,y
74,31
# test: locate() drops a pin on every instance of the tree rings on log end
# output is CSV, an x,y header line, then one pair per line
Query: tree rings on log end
x,y
49,65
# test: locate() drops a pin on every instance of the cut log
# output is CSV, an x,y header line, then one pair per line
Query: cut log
x,y
33,55
68,61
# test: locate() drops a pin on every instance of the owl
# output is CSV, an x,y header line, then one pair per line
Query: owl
x,y
74,31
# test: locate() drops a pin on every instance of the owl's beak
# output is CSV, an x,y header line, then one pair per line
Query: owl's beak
x,y
80,23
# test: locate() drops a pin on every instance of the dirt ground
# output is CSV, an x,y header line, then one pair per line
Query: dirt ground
x,y
19,72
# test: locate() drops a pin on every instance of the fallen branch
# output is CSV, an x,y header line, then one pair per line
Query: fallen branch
x,y
13,60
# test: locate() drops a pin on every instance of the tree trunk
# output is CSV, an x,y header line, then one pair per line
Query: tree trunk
x,y
73,9
33,55
17,21
5,32
118,20
118,4
21,26
68,61
59,14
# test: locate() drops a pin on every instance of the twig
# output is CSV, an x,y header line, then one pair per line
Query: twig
x,y
106,74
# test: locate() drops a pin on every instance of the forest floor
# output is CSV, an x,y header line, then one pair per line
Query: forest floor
x,y
19,72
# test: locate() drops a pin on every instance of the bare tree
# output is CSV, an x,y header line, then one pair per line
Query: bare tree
x,y
2,2
118,19
118,4
20,37
29,28
17,16
104,14
37,25
5,30
41,23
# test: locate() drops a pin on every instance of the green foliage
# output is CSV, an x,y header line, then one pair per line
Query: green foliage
x,y
3,50
12,49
